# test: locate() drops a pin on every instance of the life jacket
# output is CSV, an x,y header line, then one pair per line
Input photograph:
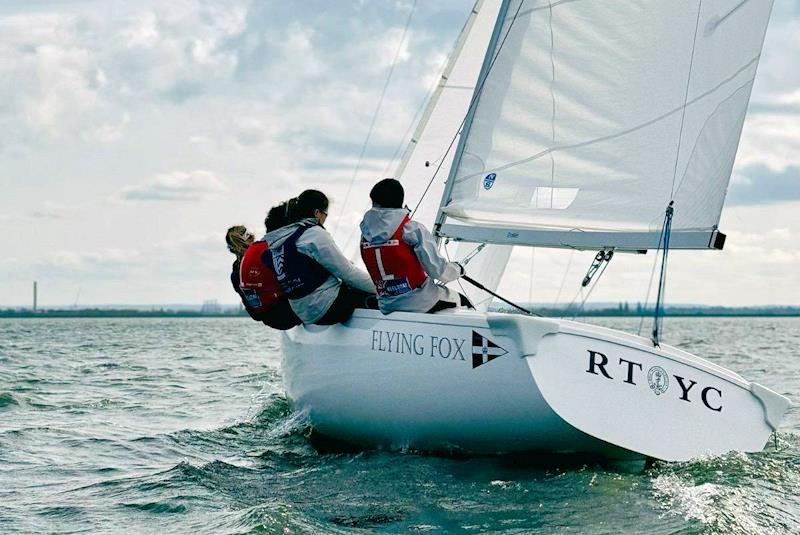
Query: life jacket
x,y
393,265
260,287
298,274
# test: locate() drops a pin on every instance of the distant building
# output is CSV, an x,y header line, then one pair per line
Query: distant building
x,y
210,306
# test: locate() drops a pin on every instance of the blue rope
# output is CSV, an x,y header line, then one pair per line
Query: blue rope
x,y
662,281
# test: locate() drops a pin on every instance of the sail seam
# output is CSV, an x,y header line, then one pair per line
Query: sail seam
x,y
728,14
685,100
705,124
549,6
553,100
624,132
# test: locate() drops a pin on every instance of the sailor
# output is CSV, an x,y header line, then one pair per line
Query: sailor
x,y
255,282
402,257
323,286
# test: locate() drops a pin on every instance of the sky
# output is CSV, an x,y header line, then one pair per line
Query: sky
x,y
132,134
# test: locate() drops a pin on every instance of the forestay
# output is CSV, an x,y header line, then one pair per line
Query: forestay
x,y
595,114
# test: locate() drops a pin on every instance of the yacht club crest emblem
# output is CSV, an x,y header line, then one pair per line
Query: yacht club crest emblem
x,y
658,380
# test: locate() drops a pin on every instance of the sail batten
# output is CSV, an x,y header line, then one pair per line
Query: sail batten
x,y
595,115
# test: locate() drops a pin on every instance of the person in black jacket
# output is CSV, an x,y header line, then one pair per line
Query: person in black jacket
x,y
239,239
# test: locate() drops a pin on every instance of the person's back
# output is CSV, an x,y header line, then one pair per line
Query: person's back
x,y
402,257
255,281
323,287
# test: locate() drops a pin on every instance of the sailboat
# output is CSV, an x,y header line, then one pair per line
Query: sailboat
x,y
603,126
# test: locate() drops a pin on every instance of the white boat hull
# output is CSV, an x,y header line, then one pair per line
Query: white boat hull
x,y
495,383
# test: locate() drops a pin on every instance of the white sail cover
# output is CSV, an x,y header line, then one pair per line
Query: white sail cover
x,y
596,113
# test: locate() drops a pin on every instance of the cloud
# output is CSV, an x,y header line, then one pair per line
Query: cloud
x,y
106,260
52,210
760,184
109,132
176,186
46,75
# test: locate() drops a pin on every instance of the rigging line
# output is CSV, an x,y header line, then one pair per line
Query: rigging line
x,y
631,129
564,279
447,254
649,289
377,110
468,257
402,142
530,277
685,101
409,133
473,101
589,293
662,281
650,283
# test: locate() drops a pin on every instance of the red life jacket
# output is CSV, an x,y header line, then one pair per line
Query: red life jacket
x,y
257,279
393,265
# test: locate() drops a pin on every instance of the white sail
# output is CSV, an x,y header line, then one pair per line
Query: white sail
x,y
434,142
429,154
487,267
433,145
595,115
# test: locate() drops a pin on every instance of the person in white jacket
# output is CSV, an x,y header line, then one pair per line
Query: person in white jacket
x,y
402,257
322,285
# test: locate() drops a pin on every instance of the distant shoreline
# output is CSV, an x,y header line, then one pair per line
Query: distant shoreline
x,y
678,312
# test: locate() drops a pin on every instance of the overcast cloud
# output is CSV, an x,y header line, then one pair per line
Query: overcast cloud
x,y
135,133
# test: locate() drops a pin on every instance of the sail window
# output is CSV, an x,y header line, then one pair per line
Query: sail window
x,y
553,198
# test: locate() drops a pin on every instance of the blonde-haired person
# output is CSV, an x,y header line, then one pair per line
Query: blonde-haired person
x,y
265,302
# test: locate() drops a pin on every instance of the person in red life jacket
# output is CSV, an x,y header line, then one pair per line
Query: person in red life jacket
x,y
322,285
402,257
258,283
255,283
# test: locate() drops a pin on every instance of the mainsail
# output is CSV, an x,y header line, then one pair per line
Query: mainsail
x,y
594,115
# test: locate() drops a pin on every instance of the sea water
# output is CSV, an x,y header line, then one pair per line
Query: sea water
x,y
182,426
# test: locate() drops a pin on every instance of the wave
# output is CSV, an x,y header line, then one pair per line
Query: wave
x,y
7,399
735,493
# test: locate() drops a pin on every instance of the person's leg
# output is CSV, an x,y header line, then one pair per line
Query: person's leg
x,y
281,317
465,302
453,300
342,308
441,305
